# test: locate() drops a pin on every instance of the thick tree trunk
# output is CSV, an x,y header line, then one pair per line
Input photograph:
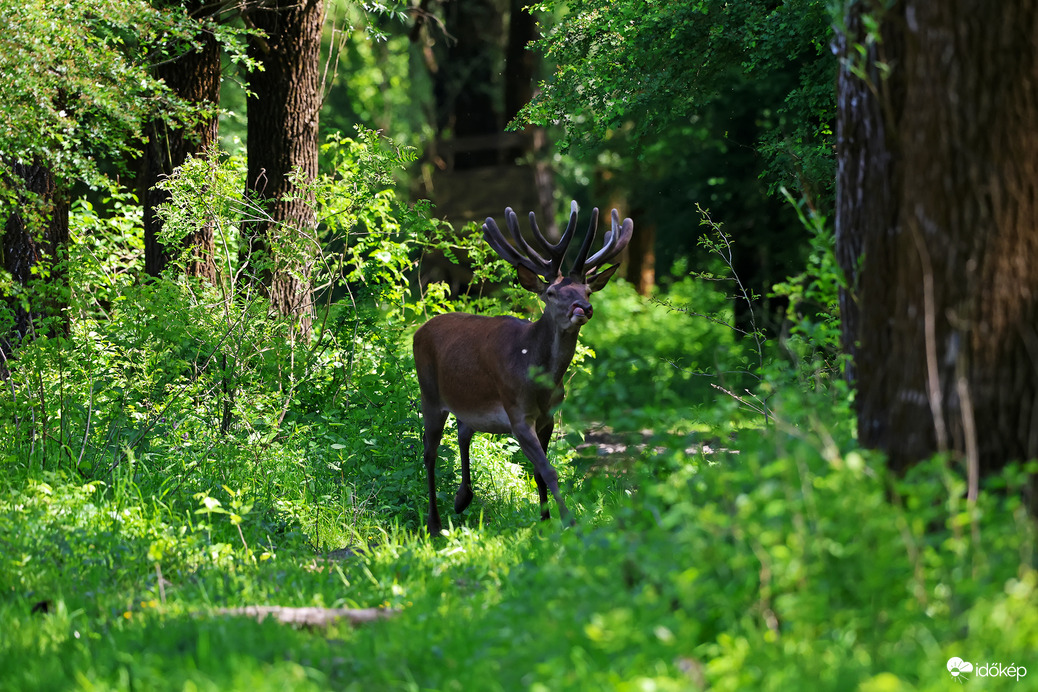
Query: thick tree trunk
x,y
937,229
34,242
282,141
194,77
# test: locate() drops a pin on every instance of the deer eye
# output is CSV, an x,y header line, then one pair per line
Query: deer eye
x,y
551,291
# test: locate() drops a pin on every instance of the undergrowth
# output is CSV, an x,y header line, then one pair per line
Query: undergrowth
x,y
783,562
177,453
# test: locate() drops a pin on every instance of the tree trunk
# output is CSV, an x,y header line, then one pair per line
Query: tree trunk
x,y
520,77
464,86
282,142
194,77
638,260
520,61
937,230
640,263
34,243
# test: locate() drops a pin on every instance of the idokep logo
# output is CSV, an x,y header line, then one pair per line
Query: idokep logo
x,y
961,670
958,668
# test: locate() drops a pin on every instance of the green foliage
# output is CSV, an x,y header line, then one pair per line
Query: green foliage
x,y
357,208
615,62
69,87
652,360
375,84
786,560
106,244
169,376
78,87
813,307
206,191
677,104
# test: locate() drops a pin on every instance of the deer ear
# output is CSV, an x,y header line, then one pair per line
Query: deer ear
x,y
596,282
530,281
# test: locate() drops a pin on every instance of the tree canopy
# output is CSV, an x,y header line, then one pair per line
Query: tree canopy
x,y
77,84
646,68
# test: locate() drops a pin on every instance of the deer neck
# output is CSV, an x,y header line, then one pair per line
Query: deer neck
x,y
553,348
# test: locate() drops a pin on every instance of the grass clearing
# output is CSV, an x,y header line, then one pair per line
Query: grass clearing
x,y
751,570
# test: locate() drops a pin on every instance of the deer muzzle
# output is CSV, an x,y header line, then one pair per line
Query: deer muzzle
x,y
580,312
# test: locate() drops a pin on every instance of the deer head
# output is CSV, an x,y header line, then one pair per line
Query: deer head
x,y
566,297
503,375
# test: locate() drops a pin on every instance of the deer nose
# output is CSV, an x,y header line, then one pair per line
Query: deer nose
x,y
581,308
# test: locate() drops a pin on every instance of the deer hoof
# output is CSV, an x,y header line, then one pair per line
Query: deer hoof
x,y
462,499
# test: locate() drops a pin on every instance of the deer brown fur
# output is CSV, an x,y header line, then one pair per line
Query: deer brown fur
x,y
503,374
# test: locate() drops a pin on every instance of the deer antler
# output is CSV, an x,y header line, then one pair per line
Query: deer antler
x,y
557,251
520,253
616,239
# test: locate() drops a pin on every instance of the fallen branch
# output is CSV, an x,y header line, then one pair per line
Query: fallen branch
x,y
311,617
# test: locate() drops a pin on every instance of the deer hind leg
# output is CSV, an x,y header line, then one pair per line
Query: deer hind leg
x,y
464,495
433,420
544,437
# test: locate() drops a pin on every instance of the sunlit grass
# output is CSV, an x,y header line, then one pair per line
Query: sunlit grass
x,y
711,546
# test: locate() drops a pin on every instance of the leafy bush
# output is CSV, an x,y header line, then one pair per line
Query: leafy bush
x,y
192,386
649,359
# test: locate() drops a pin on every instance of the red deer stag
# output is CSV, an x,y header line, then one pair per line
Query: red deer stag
x,y
502,374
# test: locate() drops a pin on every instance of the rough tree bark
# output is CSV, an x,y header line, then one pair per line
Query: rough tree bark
x,y
194,77
34,240
283,111
937,229
639,267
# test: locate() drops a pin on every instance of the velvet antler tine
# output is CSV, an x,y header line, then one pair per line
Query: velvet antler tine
x,y
551,269
571,227
557,251
538,236
578,264
524,248
567,236
494,238
616,240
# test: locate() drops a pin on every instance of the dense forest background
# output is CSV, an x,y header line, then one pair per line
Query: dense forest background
x,y
801,431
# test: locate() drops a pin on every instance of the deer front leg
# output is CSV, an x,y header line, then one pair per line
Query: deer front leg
x,y
464,495
544,437
543,471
